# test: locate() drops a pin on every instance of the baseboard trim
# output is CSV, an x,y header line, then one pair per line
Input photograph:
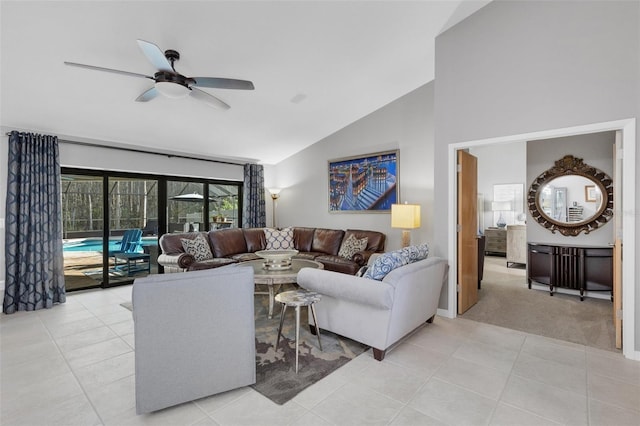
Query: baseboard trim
x,y
444,313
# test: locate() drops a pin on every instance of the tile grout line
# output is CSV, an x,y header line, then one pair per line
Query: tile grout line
x,y
493,411
73,373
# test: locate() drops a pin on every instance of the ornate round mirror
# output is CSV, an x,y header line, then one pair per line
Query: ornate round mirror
x,y
571,197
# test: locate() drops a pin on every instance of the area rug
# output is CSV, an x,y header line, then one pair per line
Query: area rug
x,y
276,377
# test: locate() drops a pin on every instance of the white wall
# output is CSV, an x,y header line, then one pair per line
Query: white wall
x,y
499,164
87,157
596,150
527,66
405,124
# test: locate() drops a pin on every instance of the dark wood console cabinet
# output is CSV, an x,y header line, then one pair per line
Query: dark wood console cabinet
x,y
583,268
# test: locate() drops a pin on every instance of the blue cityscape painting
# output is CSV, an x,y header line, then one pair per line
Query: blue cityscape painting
x,y
364,184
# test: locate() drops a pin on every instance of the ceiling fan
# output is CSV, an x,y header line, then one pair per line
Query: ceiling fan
x,y
171,83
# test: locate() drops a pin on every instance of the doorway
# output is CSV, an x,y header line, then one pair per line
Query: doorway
x,y
627,129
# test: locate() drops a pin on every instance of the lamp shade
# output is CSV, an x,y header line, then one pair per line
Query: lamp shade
x,y
500,206
275,192
405,216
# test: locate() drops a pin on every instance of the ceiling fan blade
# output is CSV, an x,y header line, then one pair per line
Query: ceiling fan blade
x,y
148,95
208,99
222,83
93,67
155,55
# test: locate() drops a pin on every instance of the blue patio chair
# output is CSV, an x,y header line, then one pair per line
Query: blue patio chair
x,y
130,243
130,253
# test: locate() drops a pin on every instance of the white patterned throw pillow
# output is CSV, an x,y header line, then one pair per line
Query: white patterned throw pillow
x,y
197,247
279,239
416,253
387,262
351,246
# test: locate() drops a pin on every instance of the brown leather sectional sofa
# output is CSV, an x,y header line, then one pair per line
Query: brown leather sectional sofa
x,y
240,244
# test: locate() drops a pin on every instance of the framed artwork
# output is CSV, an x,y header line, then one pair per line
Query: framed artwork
x,y
590,194
364,184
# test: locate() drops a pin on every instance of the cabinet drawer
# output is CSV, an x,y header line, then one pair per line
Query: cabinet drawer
x,y
496,240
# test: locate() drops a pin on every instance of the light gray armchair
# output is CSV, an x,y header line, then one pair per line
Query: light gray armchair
x,y
194,335
377,313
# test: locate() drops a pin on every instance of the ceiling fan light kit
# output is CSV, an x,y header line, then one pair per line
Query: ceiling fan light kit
x,y
171,84
172,90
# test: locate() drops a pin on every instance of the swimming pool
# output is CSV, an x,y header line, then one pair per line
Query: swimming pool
x,y
95,244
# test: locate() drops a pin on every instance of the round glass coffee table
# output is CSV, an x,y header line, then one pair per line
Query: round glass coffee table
x,y
274,278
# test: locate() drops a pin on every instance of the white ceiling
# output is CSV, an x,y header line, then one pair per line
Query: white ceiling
x,y
344,59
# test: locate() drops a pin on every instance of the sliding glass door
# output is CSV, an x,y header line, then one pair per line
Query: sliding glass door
x,y
133,228
185,202
110,229
83,230
198,206
223,206
112,221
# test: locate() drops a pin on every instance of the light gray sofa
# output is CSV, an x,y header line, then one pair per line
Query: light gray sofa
x,y
194,335
377,313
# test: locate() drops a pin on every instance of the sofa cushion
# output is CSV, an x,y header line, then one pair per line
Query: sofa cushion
x,y
255,239
227,242
279,239
307,255
197,247
215,262
244,257
303,238
338,264
327,240
351,245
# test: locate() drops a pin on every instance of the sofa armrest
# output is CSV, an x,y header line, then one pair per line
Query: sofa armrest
x,y
348,287
179,260
362,257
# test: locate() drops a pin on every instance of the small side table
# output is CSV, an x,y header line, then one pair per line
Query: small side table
x,y
298,298
134,262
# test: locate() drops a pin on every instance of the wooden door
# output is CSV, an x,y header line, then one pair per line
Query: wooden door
x,y
467,231
617,238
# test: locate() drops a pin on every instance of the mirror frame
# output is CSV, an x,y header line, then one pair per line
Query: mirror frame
x,y
567,166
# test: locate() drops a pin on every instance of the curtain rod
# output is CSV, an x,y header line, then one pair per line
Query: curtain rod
x,y
142,151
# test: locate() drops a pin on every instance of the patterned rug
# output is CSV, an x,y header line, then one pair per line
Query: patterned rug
x,y
276,377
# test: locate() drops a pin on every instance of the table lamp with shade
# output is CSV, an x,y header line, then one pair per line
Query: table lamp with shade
x,y
406,217
501,206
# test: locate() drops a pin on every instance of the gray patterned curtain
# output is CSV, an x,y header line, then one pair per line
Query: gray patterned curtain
x,y
33,235
254,215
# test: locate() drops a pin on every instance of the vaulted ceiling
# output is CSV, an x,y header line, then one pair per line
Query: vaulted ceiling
x,y
317,66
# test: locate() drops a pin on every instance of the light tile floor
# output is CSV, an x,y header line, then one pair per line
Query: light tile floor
x,y
74,365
